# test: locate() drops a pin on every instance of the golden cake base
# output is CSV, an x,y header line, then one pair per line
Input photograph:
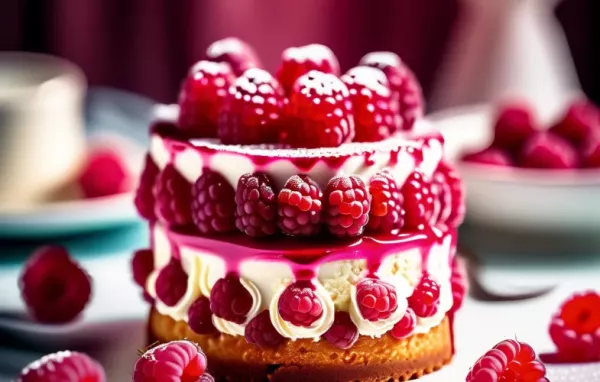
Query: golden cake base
x,y
369,360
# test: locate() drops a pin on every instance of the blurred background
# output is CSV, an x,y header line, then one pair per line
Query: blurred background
x,y
531,237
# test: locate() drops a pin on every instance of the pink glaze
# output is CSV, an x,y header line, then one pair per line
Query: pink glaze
x,y
306,256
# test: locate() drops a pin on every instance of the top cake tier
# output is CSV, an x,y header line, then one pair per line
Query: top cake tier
x,y
401,154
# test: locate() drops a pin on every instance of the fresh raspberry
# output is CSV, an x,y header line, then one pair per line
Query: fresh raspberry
x,y
201,97
452,195
376,114
376,299
173,197
253,110
300,203
580,121
144,197
402,81
200,316
342,333
515,123
425,299
590,151
230,300
406,326
237,53
508,361
548,150
297,61
142,265
171,283
348,206
491,156
54,286
104,174
299,304
575,329
261,332
319,112
419,201
458,281
64,366
387,214
256,205
213,204
173,361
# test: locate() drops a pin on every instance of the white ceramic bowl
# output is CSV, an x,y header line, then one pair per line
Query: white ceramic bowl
x,y
517,198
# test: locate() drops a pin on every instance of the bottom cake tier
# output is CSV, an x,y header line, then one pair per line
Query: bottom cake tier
x,y
368,360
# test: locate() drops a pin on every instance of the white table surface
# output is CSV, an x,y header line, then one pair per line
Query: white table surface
x,y
112,328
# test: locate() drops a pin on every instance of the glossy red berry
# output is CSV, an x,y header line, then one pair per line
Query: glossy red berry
x,y
256,205
172,361
376,299
230,300
387,213
347,206
425,299
579,122
406,326
213,204
548,150
237,53
200,316
67,366
173,198
343,333
104,173
300,305
375,108
419,201
515,124
171,283
261,332
144,197
297,61
142,265
300,205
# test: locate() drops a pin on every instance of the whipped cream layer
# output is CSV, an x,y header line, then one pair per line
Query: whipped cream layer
x,y
266,268
401,154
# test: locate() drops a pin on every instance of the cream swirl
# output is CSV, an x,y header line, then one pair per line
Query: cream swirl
x,y
179,311
293,332
232,328
380,327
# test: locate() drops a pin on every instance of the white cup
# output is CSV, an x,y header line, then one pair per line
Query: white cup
x,y
42,140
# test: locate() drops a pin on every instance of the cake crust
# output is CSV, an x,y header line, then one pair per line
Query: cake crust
x,y
369,360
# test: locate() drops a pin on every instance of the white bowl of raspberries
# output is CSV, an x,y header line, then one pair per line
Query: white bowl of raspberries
x,y
523,174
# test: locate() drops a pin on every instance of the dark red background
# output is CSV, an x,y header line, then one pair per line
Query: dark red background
x,y
147,45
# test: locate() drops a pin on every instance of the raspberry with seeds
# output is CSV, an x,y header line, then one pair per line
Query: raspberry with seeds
x,y
547,150
297,61
376,114
256,205
63,366
54,286
171,283
387,214
319,112
142,265
406,326
104,174
173,196
419,201
173,361
515,123
343,333
575,329
230,300
261,332
452,195
238,54
200,316
402,82
253,110
376,299
201,97
213,204
580,121
491,156
425,299
300,203
347,206
509,360
300,305
144,197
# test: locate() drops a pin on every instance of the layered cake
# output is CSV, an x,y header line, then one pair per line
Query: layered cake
x,y
303,225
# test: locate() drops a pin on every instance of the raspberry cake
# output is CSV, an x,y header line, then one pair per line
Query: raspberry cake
x,y
303,225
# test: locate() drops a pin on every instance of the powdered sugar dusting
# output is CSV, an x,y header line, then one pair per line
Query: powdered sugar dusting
x,y
226,45
386,58
369,77
210,67
322,84
310,52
